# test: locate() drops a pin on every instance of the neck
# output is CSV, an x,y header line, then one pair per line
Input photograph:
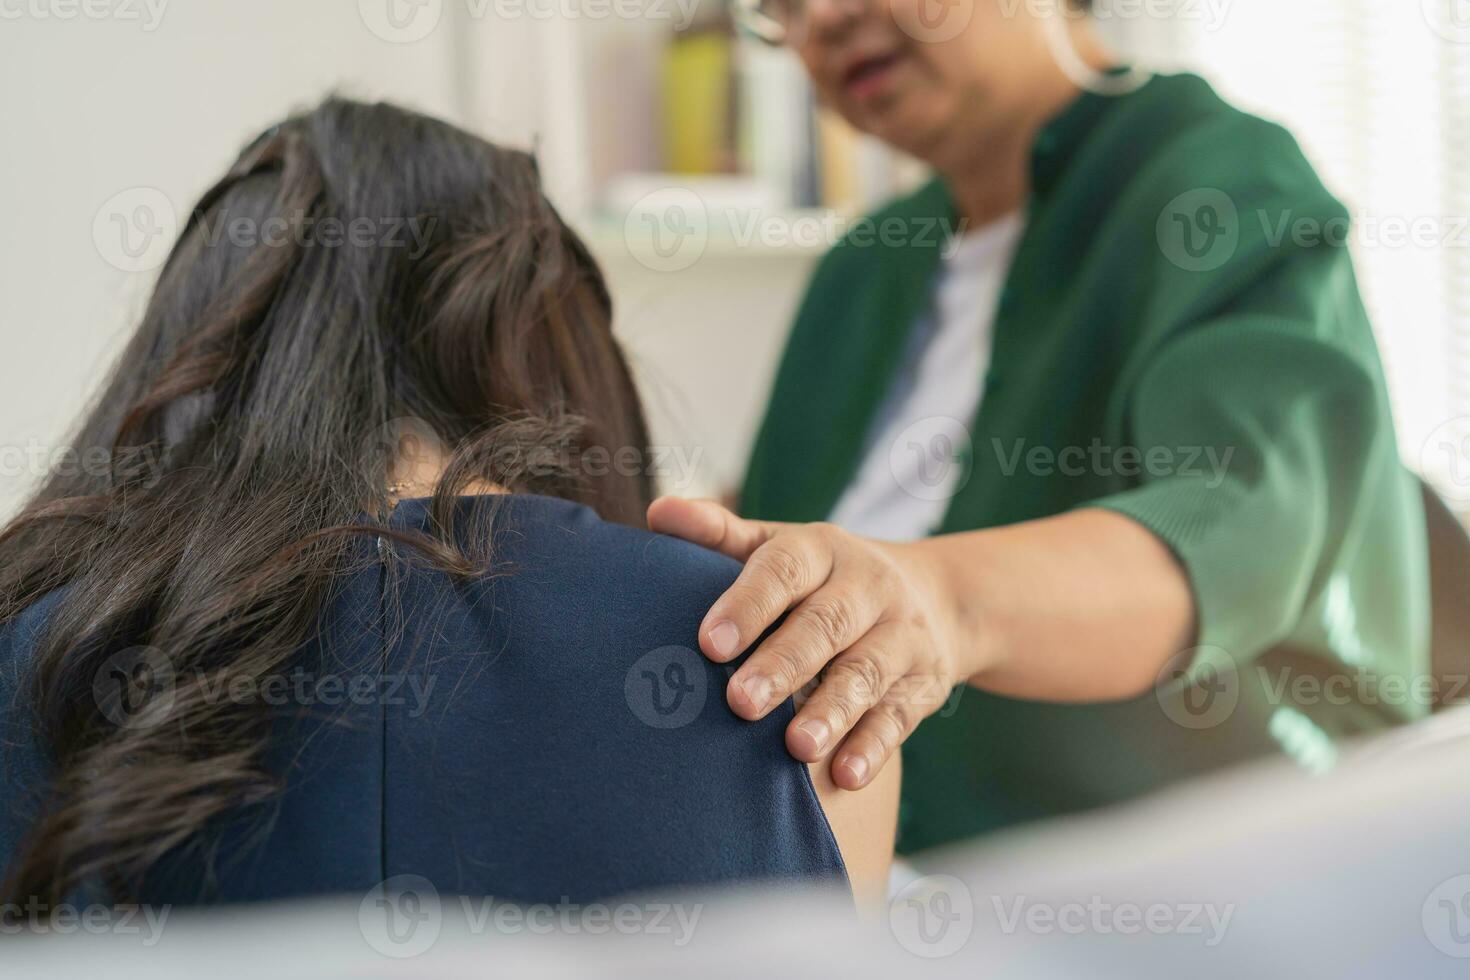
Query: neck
x,y
987,163
417,474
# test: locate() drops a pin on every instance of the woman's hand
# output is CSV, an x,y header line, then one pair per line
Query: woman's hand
x,y
870,615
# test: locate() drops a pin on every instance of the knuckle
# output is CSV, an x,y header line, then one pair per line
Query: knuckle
x,y
884,568
878,581
860,677
764,604
832,619
890,728
906,692
925,694
785,567
838,711
873,742
905,717
751,604
787,667
916,618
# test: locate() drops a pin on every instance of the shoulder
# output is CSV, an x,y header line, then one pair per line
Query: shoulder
x,y
18,641
646,575
627,753
1183,139
1204,208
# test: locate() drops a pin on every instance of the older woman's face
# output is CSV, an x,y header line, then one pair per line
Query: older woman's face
x,y
910,71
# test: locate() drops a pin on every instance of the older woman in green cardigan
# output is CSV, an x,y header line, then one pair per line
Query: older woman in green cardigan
x,y
1099,493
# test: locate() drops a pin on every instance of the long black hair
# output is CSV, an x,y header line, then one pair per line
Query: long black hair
x,y
357,265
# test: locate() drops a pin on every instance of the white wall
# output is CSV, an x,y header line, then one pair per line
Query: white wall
x,y
97,107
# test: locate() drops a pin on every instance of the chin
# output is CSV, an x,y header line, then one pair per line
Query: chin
x,y
914,136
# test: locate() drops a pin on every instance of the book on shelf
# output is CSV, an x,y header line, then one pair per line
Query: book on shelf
x,y
739,121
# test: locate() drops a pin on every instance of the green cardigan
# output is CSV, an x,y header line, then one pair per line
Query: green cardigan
x,y
1181,340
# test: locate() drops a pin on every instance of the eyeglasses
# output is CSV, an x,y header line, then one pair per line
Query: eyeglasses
x,y
772,21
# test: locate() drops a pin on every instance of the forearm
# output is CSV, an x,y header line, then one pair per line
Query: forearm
x,y
1084,606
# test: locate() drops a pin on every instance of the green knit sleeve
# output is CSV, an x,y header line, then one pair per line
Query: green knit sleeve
x,y
1268,465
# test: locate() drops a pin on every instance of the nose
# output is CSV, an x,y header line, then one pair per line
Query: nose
x,y
825,18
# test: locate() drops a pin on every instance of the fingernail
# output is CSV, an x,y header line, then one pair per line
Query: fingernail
x,y
725,638
757,692
858,766
818,732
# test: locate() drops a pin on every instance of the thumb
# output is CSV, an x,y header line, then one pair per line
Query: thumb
x,y
707,523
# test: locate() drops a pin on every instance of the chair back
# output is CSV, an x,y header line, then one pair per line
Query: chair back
x,y
1449,597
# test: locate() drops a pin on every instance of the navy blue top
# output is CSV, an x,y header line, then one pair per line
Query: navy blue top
x,y
550,732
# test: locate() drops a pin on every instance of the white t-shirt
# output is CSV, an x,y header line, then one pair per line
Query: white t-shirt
x,y
910,468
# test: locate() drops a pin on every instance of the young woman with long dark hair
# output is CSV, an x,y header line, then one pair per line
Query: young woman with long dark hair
x,y
355,582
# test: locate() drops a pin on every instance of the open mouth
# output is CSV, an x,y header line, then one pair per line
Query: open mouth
x,y
868,76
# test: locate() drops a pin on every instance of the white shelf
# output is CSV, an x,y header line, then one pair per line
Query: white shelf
x,y
799,233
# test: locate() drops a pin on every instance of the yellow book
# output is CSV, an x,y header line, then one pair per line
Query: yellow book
x,y
698,118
